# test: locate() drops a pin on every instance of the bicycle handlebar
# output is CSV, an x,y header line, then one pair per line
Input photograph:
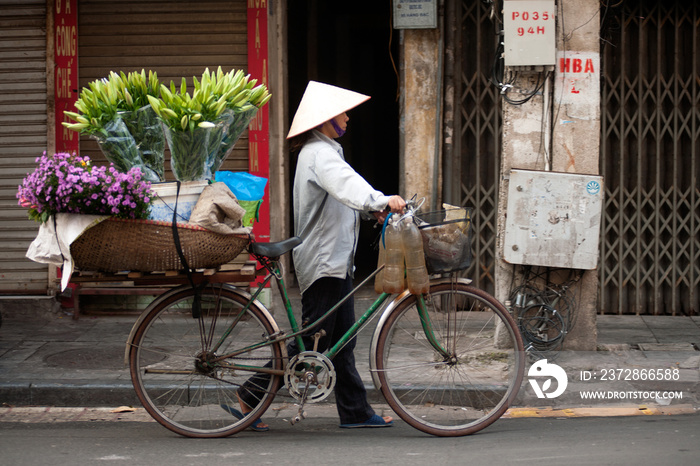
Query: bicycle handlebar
x,y
413,205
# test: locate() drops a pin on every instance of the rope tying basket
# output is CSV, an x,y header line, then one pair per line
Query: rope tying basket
x,y
116,245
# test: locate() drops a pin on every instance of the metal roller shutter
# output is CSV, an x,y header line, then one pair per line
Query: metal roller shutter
x,y
22,136
173,38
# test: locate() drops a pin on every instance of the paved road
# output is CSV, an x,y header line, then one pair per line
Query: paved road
x,y
81,436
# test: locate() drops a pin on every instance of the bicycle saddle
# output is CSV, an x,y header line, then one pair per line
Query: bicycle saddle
x,y
276,249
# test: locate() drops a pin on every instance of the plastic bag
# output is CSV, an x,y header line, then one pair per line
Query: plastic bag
x,y
245,186
144,126
248,189
123,148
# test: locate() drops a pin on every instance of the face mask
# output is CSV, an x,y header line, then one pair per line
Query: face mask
x,y
337,128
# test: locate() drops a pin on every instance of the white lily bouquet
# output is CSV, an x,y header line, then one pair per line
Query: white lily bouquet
x,y
202,128
133,115
116,112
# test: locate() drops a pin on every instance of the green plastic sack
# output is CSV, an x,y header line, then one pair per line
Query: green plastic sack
x,y
252,209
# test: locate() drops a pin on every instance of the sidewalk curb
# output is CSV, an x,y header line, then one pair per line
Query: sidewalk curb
x,y
72,394
282,411
67,394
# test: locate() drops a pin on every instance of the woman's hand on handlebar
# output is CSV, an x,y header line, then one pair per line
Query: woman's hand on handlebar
x,y
396,205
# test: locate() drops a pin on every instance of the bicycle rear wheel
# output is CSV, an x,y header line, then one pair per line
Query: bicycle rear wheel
x,y
174,367
464,379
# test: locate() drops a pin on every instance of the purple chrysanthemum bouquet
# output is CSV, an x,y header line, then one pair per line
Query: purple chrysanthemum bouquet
x,y
65,183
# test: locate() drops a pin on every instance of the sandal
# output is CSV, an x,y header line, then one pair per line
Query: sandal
x,y
238,415
374,421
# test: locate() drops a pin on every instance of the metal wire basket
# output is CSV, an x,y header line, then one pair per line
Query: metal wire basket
x,y
447,237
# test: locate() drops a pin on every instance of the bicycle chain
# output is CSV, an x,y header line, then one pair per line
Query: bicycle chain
x,y
227,382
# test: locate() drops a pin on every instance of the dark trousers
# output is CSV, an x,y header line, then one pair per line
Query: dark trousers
x,y
350,393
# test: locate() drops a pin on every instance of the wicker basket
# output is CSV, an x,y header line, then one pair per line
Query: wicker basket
x,y
116,245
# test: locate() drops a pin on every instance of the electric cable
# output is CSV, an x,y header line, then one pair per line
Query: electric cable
x,y
545,311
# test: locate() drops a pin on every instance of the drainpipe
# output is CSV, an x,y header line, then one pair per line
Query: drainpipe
x,y
438,112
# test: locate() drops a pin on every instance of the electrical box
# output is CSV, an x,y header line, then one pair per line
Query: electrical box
x,y
553,219
529,32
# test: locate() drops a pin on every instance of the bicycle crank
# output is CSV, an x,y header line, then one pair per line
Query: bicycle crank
x,y
309,377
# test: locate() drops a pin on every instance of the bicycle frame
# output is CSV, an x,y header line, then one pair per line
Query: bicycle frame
x,y
297,332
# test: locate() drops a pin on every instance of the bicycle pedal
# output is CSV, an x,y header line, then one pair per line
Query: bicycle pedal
x,y
299,416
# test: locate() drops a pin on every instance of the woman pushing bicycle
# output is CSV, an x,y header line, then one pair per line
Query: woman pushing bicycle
x,y
329,196
449,361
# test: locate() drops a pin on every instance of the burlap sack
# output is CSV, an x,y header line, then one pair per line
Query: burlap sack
x,y
218,210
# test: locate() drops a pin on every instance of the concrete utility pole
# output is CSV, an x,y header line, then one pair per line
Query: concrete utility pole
x,y
559,131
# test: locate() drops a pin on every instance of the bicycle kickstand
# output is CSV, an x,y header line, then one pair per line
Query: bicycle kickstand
x,y
301,414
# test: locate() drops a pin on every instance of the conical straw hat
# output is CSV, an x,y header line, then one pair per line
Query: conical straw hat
x,y
320,103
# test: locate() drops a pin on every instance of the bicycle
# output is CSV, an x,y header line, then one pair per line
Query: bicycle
x,y
544,316
449,362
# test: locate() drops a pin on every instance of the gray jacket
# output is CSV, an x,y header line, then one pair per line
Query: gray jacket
x,y
329,248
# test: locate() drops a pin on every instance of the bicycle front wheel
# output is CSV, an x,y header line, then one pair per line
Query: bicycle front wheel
x,y
454,368
177,365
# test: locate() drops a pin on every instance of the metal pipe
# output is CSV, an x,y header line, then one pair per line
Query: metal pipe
x,y
438,111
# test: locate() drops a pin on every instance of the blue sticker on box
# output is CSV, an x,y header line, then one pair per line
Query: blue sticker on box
x,y
593,187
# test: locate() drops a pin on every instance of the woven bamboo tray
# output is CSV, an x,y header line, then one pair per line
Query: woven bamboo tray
x,y
116,245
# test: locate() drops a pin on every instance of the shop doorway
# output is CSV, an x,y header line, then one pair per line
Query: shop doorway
x,y
352,45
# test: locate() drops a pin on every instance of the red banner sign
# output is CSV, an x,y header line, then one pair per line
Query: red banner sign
x,y
66,71
258,131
